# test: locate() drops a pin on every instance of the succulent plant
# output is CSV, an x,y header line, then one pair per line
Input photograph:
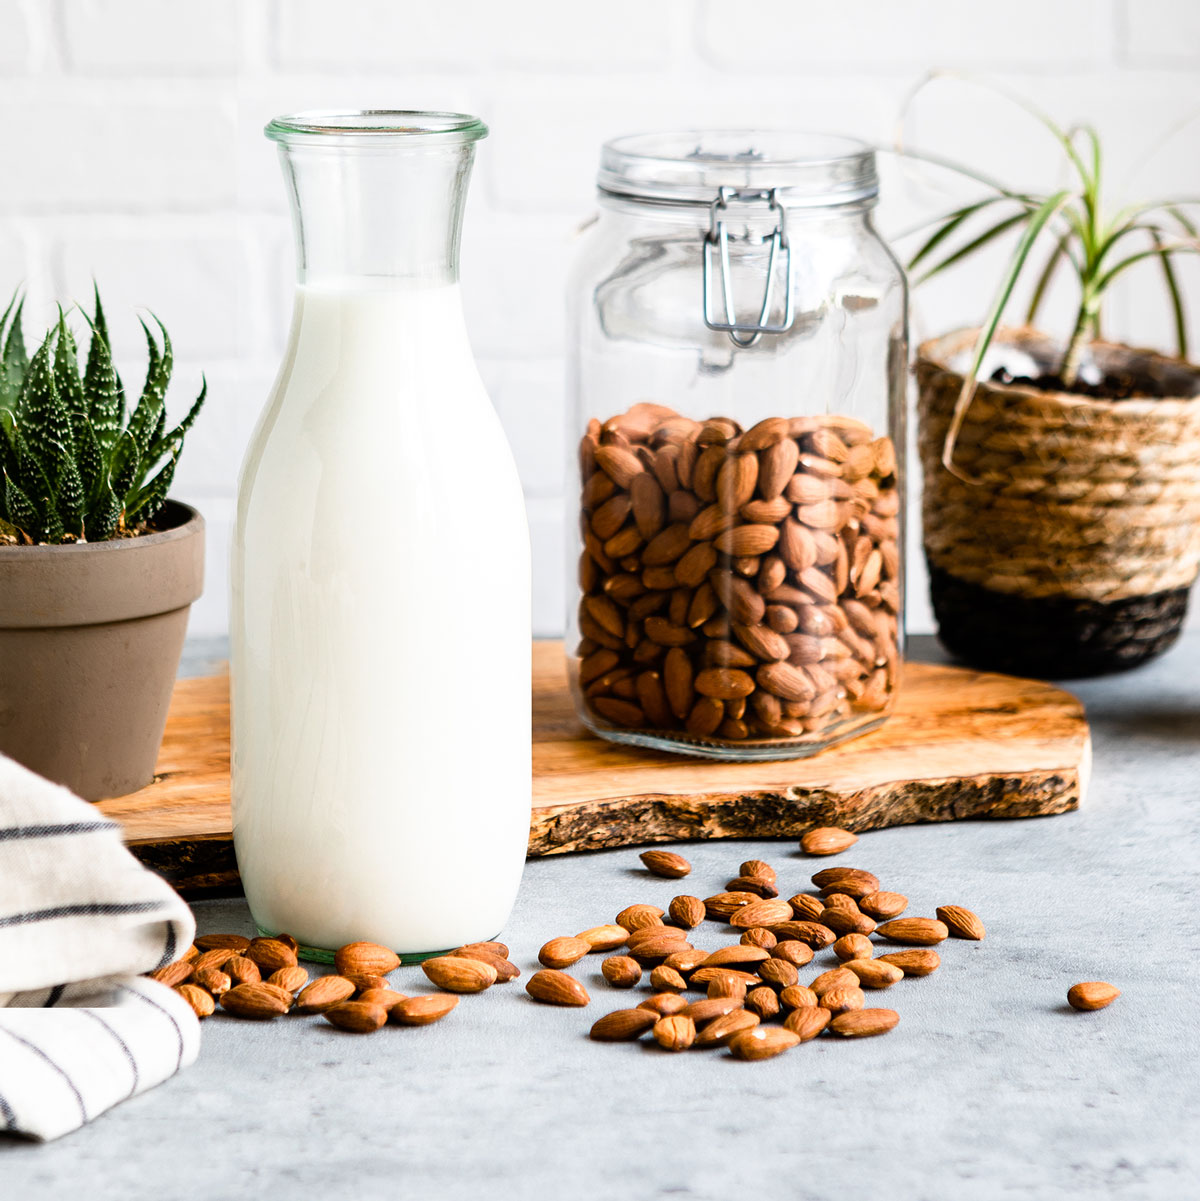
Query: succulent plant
x,y
76,465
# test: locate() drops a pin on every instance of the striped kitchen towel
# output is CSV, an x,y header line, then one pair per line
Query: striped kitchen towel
x,y
80,920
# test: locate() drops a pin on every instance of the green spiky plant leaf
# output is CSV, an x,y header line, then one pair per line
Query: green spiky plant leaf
x,y
73,467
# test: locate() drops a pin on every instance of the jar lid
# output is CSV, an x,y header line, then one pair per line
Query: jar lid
x,y
690,167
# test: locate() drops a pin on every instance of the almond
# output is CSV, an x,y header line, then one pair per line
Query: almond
x,y
762,1042
562,952
843,921
913,963
843,999
853,946
492,948
961,923
655,949
719,1031
726,904
506,970
759,885
759,936
363,982
704,1011
357,1017
864,1023
270,954
638,917
738,953
827,840
837,977
686,961
793,951
365,958
553,987
850,880
1091,994
257,1001
173,974
422,1010
778,972
706,975
663,1003
839,900
873,973
212,980
798,997
385,998
764,1001
216,958
815,934
622,1025
665,863
664,978
674,1033
726,986
649,936
324,992
604,938
242,970
222,942
914,931
451,973
806,1022
686,911
806,908
883,905
761,913
201,1002
757,867
292,978
621,971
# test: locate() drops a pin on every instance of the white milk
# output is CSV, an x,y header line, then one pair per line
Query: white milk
x,y
381,621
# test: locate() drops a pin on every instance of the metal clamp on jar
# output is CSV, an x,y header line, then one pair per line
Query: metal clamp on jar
x,y
738,381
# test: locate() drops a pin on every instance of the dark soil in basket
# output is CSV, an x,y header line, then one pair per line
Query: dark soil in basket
x,y
1125,386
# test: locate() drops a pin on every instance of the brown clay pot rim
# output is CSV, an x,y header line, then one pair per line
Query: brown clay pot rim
x,y
938,352
86,583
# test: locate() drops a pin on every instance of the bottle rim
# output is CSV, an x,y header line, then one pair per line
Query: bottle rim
x,y
803,169
345,127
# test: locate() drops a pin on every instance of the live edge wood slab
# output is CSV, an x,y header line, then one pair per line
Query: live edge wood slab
x,y
960,744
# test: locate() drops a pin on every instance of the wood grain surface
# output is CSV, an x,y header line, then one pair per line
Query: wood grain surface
x,y
960,744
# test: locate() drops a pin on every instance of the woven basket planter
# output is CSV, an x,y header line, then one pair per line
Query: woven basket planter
x,y
1071,547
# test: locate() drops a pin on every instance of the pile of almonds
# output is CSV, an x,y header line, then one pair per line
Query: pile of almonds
x,y
738,586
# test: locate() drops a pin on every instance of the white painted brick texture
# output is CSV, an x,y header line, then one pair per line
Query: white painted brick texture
x,y
133,151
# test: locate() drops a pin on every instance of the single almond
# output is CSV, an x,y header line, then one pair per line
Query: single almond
x,y
1091,995
366,958
837,977
726,986
621,971
815,934
764,1001
385,998
222,942
213,981
256,1000
839,900
289,941
778,972
797,996
759,936
806,1022
759,885
883,905
638,917
735,954
202,1002
422,1010
685,961
853,946
845,921
242,970
827,840
604,938
293,978
357,1017
723,905
711,1007
492,948
873,973
761,913
665,863
562,952
651,951
505,969
719,1031
842,999
622,1025
553,987
864,1023
323,993
663,1003
914,931
961,923
363,982
806,908
676,1032
704,976
173,974
919,962
216,958
686,911
762,1042
850,880
793,951
451,973
270,954
663,978
757,867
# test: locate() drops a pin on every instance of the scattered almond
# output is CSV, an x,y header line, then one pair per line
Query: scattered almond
x,y
883,905
914,931
864,1023
621,971
759,936
842,999
778,972
837,977
815,934
762,1042
257,1001
451,973
270,954
853,946
759,885
794,951
738,953
757,867
173,974
764,1001
1092,994
711,1007
362,981
805,907
761,913
292,978
604,938
850,880
638,917
706,975
505,969
242,970
213,981
664,1003
357,1017
216,958
806,1022
365,958
562,952
385,998
422,1010
686,911
685,961
622,1025
843,921
492,948
796,996
663,978
961,923
202,1002
323,993
665,863
553,987
676,1032
913,963
227,942
719,1031
874,973
827,840
726,985
723,905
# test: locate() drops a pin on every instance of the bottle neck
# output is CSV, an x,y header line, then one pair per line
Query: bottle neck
x,y
376,217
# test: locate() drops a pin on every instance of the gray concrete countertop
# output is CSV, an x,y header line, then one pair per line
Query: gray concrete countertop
x,y
989,1088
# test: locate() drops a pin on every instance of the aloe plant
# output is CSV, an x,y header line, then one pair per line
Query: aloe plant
x,y
1074,227
77,466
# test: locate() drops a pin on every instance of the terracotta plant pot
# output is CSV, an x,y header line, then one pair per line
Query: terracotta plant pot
x,y
90,639
1070,546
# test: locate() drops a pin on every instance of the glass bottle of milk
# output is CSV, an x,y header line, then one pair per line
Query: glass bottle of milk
x,y
381,610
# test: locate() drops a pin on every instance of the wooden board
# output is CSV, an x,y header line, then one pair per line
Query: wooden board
x,y
961,744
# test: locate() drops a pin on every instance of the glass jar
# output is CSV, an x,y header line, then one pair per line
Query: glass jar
x,y
738,381
377,500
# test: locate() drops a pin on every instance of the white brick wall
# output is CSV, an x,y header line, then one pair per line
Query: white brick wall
x,y
133,151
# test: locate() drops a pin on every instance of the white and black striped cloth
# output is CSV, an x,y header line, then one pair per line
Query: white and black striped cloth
x,y
80,920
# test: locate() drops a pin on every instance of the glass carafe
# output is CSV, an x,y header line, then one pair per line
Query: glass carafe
x,y
381,620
